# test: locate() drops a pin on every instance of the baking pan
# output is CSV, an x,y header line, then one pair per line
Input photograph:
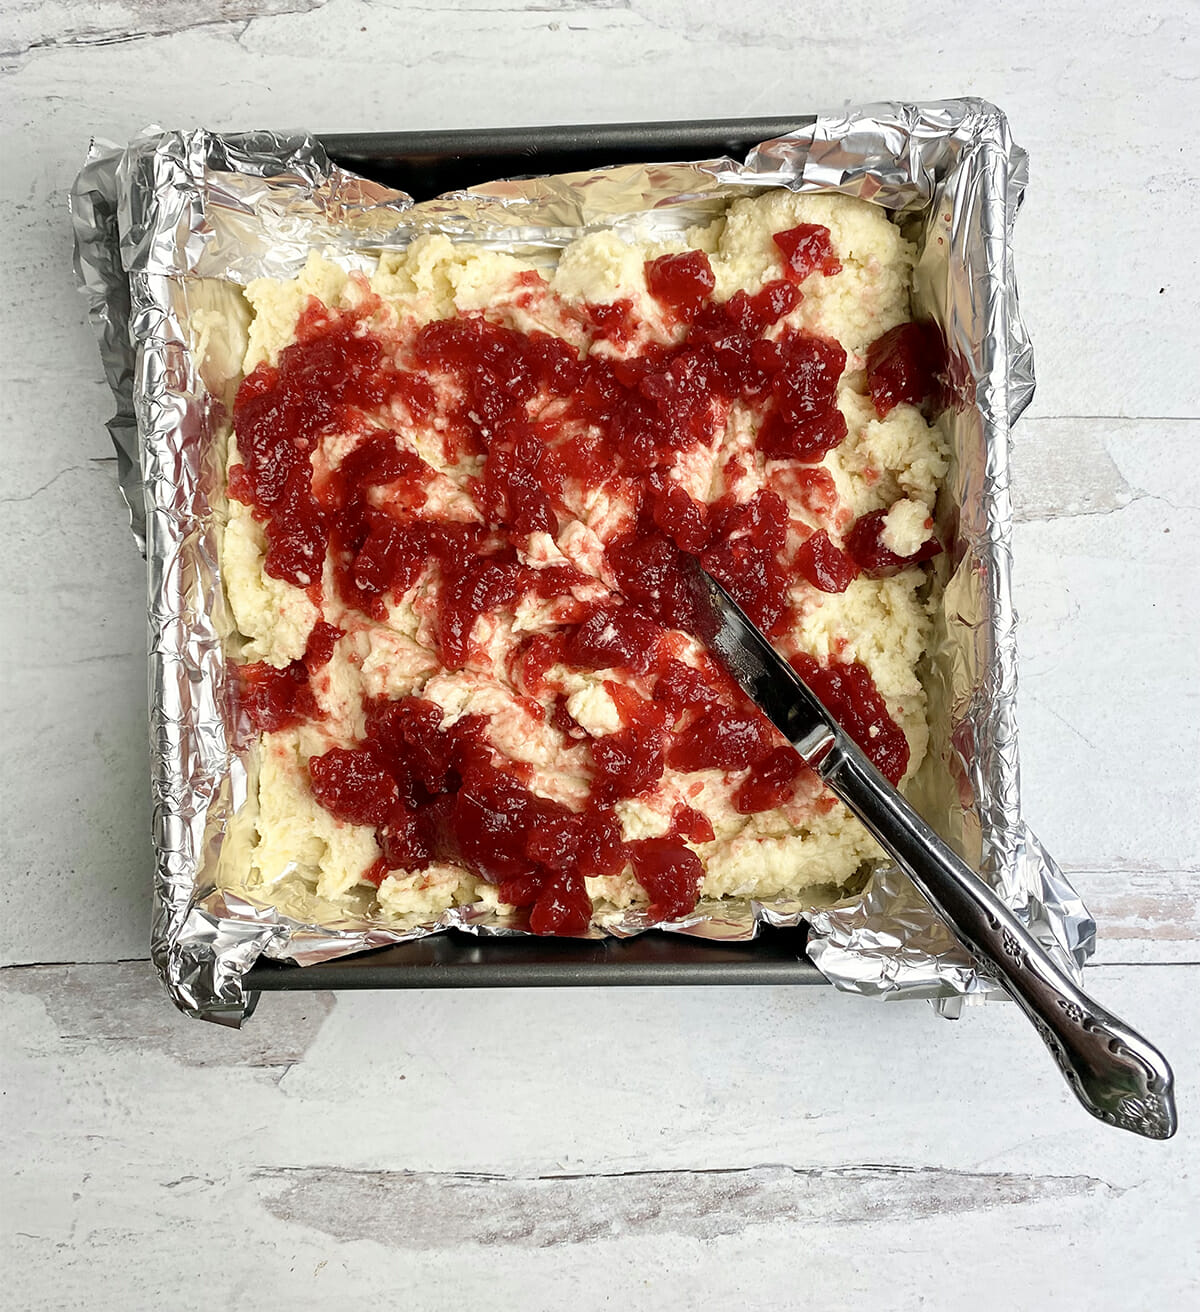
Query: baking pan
x,y
424,164
457,960
156,218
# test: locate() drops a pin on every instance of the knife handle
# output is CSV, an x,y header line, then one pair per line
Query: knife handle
x,y
1117,1075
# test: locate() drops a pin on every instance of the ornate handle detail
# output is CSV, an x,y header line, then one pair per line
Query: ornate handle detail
x,y
1118,1075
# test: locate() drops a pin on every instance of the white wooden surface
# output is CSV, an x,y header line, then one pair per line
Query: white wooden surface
x,y
669,1148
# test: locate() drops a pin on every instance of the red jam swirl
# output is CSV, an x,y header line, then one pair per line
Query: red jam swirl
x,y
552,423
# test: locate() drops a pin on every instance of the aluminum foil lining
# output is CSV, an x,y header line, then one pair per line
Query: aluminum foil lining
x,y
163,226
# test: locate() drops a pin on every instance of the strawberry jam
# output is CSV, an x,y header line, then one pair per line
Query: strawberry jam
x,y
747,557
614,637
865,545
529,428
670,873
321,642
903,366
848,693
276,699
825,566
771,782
807,249
279,414
628,762
721,739
435,794
680,283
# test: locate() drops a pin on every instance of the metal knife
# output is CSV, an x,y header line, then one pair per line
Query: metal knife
x,y
1118,1075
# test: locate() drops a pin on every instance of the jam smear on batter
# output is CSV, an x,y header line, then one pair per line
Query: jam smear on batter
x,y
437,794
721,739
680,283
279,413
321,642
747,557
547,418
276,699
826,566
848,693
613,636
771,783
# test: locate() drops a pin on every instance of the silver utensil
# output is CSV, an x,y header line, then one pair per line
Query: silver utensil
x,y
1118,1075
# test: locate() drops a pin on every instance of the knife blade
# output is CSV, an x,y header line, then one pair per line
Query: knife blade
x,y
765,677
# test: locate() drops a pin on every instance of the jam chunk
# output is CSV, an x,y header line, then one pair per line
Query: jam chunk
x,y
747,557
354,785
806,249
612,636
864,544
280,412
321,642
628,762
276,699
670,873
649,571
680,283
771,782
903,366
721,739
825,565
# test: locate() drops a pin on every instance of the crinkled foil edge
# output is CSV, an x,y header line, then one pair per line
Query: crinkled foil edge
x,y
171,207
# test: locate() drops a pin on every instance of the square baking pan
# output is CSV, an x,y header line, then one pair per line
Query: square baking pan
x,y
170,224
425,164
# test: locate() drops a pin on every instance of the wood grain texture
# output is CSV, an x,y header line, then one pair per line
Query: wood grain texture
x,y
1150,916
1106,565
119,1007
1110,641
472,1148
35,25
427,1212
77,836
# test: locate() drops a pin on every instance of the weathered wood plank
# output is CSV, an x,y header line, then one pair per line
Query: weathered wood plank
x,y
1109,697
75,770
425,1211
32,25
1106,580
122,1008
1143,915
1063,468
586,1145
